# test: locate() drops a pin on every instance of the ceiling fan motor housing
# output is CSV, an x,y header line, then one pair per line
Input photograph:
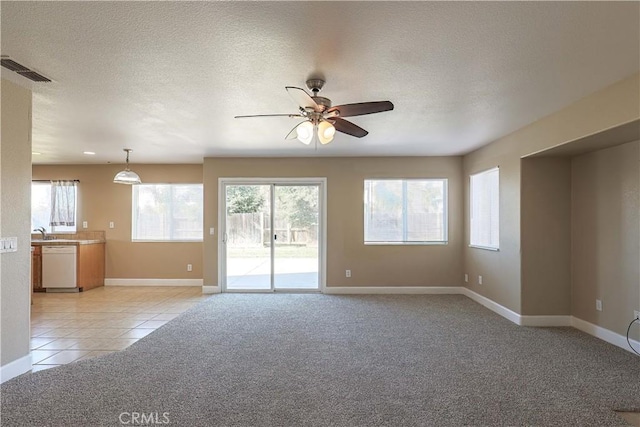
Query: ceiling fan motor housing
x,y
323,102
315,85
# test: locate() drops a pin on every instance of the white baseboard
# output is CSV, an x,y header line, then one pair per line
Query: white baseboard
x,y
15,368
153,282
551,321
211,289
493,306
451,290
605,334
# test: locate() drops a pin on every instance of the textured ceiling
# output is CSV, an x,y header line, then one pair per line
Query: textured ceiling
x,y
166,78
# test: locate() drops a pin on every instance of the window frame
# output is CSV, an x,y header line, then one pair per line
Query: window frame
x,y
52,228
471,209
134,206
445,214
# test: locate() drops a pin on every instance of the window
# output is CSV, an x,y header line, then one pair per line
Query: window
x,y
53,206
485,209
167,212
405,211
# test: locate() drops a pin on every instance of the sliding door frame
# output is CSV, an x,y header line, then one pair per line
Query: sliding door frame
x,y
322,232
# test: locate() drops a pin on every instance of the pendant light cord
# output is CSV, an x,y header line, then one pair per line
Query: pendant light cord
x,y
128,151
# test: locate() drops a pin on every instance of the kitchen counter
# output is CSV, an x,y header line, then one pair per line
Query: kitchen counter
x,y
60,242
90,261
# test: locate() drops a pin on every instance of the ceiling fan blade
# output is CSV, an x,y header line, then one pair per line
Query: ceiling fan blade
x,y
362,108
302,98
268,115
347,127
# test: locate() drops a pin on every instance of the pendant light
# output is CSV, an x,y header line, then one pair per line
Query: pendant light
x,y
127,176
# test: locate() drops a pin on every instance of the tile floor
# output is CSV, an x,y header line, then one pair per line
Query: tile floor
x,y
67,327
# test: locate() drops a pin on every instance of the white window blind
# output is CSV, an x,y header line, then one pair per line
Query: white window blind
x,y
400,211
167,212
485,209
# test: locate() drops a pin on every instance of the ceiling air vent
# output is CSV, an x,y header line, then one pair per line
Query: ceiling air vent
x,y
22,70
13,65
32,75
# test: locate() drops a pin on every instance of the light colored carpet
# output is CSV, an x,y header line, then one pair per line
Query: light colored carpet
x,y
322,360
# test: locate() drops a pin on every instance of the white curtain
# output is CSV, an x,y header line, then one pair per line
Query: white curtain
x,y
63,203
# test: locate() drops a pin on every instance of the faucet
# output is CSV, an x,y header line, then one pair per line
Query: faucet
x,y
42,231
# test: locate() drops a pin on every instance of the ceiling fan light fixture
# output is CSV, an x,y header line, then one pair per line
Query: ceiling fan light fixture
x,y
305,132
326,131
321,119
127,176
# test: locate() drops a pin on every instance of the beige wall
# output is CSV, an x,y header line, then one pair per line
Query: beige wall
x,y
506,280
606,236
546,236
501,270
101,201
15,205
411,265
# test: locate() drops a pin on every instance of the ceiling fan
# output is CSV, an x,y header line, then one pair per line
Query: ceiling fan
x,y
321,118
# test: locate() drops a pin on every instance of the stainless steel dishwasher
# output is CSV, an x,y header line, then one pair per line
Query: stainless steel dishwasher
x,y
59,267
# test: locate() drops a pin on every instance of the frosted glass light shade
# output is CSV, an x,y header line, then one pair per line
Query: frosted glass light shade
x,y
127,177
326,131
305,132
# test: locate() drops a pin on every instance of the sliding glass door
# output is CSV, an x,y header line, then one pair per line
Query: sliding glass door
x,y
272,236
248,258
296,218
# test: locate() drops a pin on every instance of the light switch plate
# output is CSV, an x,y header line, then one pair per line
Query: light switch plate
x,y
111,224
8,244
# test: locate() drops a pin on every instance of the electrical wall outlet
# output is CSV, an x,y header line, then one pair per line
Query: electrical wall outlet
x,y
347,273
636,314
479,280
466,278
111,224
212,231
599,305
189,267
85,224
